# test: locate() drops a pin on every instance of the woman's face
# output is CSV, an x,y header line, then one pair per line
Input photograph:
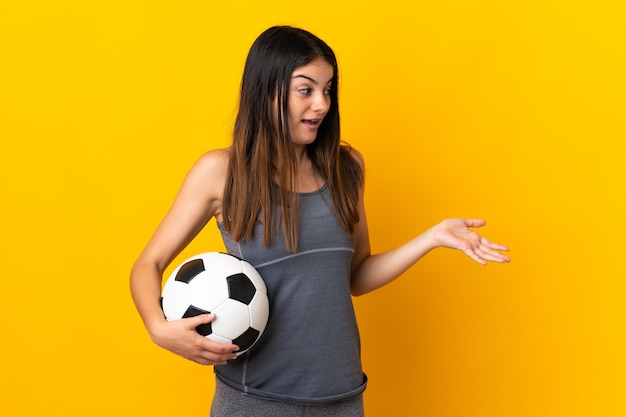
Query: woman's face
x,y
309,100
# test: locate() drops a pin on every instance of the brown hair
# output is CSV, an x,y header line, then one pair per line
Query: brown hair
x,y
262,152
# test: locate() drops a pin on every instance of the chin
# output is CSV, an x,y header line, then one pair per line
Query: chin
x,y
303,141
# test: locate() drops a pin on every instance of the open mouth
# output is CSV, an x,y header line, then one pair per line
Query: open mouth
x,y
311,123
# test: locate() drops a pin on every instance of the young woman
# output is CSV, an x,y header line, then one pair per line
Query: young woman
x,y
287,197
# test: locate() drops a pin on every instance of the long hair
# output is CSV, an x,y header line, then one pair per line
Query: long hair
x,y
262,169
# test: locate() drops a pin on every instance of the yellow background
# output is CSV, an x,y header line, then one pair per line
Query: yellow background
x,y
511,111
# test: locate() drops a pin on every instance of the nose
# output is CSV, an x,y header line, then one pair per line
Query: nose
x,y
321,102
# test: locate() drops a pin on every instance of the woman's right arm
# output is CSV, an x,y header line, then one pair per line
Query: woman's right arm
x,y
198,200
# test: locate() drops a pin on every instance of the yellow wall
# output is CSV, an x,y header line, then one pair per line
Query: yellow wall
x,y
512,111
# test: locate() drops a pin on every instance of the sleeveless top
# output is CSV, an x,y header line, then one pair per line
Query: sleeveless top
x,y
310,350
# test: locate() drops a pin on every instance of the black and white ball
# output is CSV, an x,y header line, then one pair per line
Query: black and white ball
x,y
216,282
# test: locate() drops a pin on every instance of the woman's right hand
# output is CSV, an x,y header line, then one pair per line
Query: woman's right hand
x,y
180,337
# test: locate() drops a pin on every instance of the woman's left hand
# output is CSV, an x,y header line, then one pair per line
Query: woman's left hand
x,y
456,234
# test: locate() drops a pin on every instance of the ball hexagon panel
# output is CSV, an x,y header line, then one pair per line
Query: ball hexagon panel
x,y
222,264
233,318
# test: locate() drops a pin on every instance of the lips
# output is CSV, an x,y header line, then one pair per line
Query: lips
x,y
311,123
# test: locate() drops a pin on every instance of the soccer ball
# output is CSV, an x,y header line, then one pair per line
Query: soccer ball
x,y
216,282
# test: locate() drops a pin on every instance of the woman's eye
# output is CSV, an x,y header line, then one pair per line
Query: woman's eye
x,y
327,91
305,91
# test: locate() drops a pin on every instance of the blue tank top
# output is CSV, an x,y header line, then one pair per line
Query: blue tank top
x,y
310,350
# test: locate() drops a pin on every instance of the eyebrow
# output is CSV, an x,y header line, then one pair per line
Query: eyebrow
x,y
309,78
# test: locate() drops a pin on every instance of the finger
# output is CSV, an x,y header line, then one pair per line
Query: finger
x,y
220,357
493,256
472,254
222,348
195,321
206,361
490,254
212,353
207,347
493,245
475,222
482,255
212,358
493,250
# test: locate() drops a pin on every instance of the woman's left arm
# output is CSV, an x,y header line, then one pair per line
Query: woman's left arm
x,y
370,272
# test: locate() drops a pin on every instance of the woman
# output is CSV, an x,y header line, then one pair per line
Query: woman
x,y
288,197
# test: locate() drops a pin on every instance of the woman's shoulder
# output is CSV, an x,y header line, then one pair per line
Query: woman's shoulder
x,y
216,156
206,180
214,162
352,154
209,172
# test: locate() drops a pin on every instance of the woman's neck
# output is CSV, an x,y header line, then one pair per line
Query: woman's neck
x,y
308,178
